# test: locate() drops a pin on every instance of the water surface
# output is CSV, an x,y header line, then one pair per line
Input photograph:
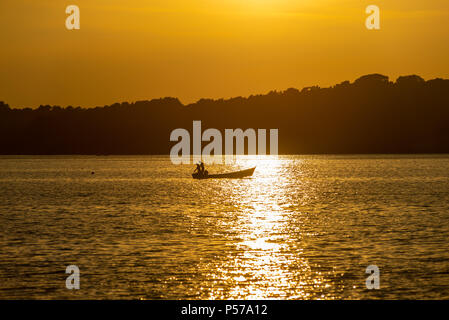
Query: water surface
x,y
303,227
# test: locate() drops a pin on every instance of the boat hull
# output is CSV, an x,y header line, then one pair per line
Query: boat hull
x,y
230,175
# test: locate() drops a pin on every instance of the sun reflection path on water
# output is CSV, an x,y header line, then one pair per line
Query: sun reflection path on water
x,y
268,261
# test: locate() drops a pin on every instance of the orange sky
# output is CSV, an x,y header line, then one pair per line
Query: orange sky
x,y
143,49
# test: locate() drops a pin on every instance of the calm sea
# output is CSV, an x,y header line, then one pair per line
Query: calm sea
x,y
303,227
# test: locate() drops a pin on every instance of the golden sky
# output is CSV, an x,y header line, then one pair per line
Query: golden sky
x,y
132,50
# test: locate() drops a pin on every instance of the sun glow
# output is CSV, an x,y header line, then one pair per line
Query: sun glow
x,y
269,6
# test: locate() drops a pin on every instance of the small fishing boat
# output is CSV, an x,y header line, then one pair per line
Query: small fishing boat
x,y
229,175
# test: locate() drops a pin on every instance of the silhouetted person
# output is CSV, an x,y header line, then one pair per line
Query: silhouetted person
x,y
197,169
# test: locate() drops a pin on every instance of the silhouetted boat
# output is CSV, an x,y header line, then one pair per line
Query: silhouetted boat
x,y
230,175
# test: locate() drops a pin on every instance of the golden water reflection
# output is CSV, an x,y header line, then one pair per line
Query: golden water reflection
x,y
267,262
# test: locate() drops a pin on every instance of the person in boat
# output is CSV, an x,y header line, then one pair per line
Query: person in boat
x,y
204,172
197,169
200,169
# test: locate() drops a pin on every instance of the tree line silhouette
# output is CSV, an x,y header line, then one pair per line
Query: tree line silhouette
x,y
370,115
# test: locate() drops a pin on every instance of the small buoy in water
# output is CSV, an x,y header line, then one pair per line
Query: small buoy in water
x,y
92,172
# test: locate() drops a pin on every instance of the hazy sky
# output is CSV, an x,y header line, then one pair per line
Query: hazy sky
x,y
132,50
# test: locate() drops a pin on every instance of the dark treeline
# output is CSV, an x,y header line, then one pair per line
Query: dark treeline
x,y
370,115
